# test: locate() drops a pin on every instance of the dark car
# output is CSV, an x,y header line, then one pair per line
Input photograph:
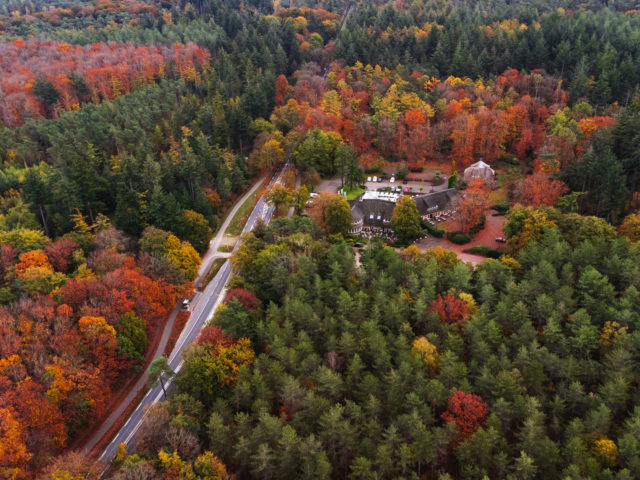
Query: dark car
x,y
501,240
379,179
404,182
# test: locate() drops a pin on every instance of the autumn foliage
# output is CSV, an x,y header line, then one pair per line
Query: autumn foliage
x,y
450,309
473,206
62,355
540,190
467,410
82,74
420,119
245,297
213,335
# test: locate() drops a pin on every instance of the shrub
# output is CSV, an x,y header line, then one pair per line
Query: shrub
x,y
459,237
483,251
502,207
510,159
436,232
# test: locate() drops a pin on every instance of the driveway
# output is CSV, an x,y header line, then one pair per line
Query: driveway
x,y
486,237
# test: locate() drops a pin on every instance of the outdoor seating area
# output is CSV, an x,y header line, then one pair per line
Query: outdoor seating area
x,y
369,233
439,217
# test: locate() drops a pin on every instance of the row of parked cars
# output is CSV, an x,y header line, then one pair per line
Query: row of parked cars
x,y
379,179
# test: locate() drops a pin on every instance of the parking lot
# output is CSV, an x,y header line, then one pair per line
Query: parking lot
x,y
413,187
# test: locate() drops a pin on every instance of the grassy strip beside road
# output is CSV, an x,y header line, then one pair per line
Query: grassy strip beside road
x,y
237,224
215,266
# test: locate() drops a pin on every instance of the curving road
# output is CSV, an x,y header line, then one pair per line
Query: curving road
x,y
203,306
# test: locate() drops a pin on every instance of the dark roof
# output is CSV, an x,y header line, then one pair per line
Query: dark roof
x,y
365,209
377,213
433,202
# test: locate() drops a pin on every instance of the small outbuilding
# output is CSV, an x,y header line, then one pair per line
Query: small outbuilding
x,y
479,170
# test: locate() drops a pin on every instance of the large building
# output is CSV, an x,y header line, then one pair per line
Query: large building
x,y
373,210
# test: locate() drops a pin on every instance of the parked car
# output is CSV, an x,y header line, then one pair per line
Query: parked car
x,y
405,181
368,179
501,240
379,179
375,179
392,179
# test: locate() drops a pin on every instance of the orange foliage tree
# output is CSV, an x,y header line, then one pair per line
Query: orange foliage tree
x,y
107,70
539,190
473,205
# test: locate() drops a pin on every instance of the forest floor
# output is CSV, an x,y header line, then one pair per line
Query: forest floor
x,y
486,237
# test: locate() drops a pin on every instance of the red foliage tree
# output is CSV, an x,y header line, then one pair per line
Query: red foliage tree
x,y
467,410
213,335
450,309
8,258
282,89
245,297
60,254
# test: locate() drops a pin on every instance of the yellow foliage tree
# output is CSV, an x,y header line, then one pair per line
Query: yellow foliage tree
x,y
175,467
271,154
472,306
428,352
209,467
60,385
121,453
630,227
331,103
183,256
444,258
611,333
526,224
605,450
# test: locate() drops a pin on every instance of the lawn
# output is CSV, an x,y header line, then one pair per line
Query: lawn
x,y
237,224
353,193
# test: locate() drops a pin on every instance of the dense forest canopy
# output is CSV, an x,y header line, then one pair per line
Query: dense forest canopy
x,y
416,364
128,128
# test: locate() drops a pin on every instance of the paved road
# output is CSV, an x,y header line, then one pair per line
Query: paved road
x,y
202,310
168,328
298,183
214,244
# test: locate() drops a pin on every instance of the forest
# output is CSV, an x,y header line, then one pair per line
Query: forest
x,y
414,365
130,128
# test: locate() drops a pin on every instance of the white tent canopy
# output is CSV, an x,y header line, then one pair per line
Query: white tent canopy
x,y
479,170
